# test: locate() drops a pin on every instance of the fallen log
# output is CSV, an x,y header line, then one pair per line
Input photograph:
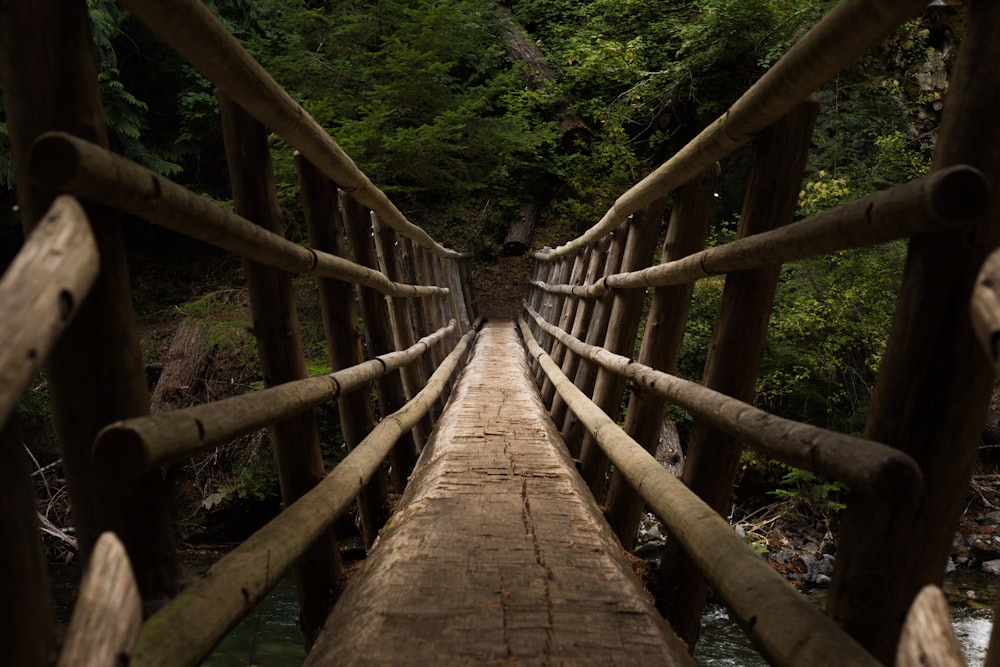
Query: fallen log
x,y
519,234
182,373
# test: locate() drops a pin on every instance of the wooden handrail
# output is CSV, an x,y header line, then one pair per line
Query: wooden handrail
x,y
984,308
39,294
191,29
133,446
184,631
788,629
941,200
70,164
108,612
847,31
871,467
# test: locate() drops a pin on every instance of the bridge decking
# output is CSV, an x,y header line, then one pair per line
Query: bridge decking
x,y
497,552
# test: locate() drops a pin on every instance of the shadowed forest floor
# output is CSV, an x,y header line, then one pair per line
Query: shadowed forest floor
x,y
501,287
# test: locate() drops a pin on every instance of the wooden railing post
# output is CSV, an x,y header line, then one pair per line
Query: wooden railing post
x,y
585,308
566,317
465,318
737,348
573,431
469,294
450,302
420,309
661,342
935,381
551,305
619,338
400,323
449,310
95,373
343,341
543,272
378,334
279,342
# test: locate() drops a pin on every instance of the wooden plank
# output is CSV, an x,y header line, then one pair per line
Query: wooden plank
x,y
95,373
108,612
788,630
497,553
928,640
935,381
343,341
279,344
735,352
661,342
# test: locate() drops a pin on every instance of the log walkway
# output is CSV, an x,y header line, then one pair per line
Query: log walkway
x,y
497,552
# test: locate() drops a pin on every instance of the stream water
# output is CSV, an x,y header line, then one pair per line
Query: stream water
x,y
970,596
269,636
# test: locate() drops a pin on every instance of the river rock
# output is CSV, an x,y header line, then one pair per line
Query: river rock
x,y
986,545
991,567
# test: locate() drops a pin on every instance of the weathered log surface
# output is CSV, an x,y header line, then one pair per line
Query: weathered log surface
x,y
497,553
519,233
186,361
108,614
928,640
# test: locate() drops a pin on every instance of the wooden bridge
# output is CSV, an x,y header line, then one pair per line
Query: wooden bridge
x,y
499,550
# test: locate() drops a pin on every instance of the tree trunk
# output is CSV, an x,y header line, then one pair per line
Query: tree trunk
x,y
186,362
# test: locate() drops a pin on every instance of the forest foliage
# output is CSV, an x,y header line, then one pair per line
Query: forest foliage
x,y
427,99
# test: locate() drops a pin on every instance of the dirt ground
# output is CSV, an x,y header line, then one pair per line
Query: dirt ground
x,y
501,287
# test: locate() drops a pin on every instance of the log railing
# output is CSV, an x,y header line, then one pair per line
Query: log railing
x,y
67,295
416,306
904,489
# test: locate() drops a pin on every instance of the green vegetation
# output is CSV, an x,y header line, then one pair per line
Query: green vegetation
x,y
427,99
